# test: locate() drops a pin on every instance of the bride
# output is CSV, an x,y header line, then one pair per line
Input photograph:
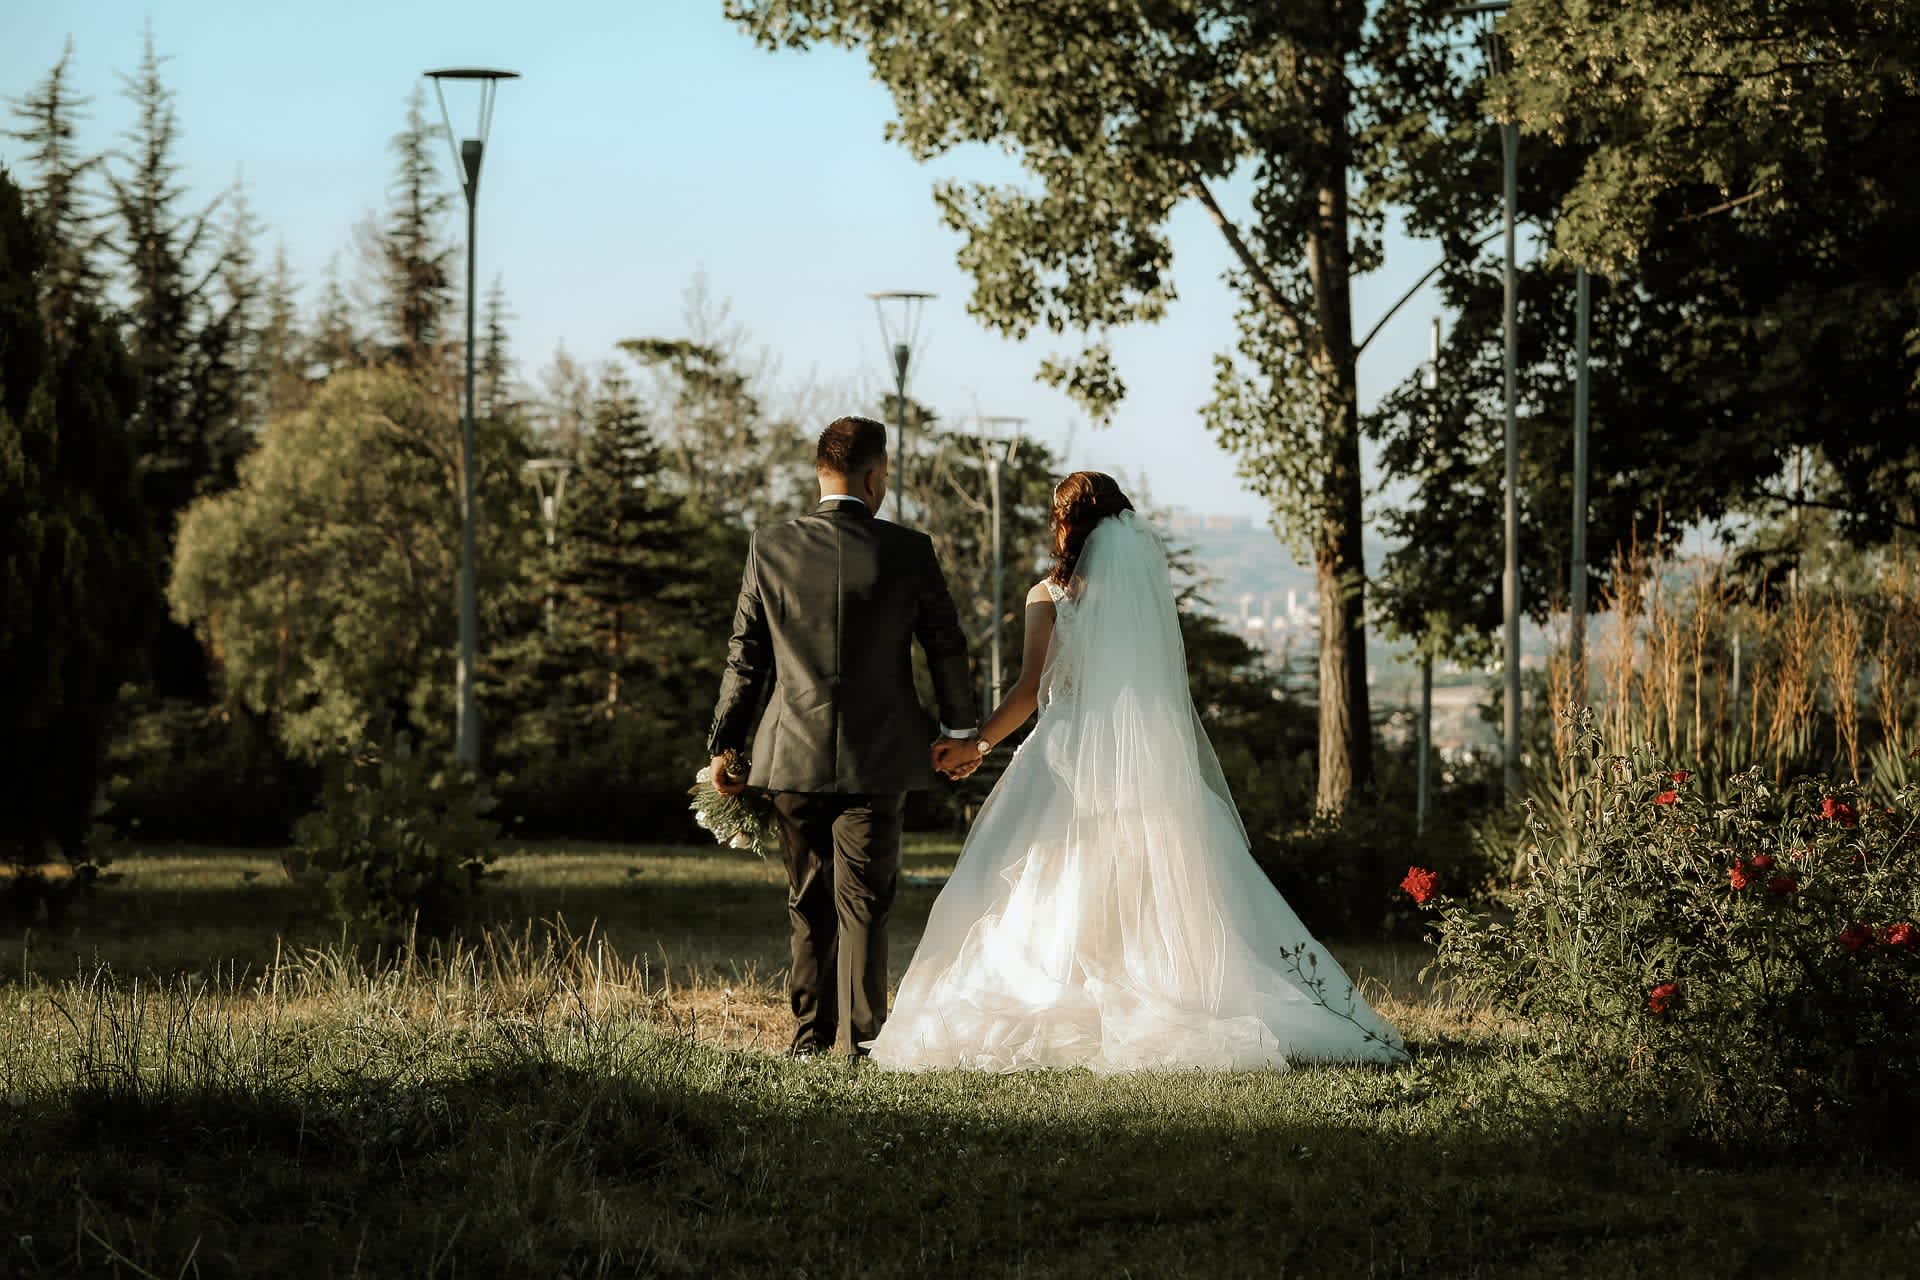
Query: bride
x,y
1105,911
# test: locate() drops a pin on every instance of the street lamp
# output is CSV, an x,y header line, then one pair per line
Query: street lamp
x,y
901,334
1577,587
466,154
549,479
1429,379
999,444
1510,359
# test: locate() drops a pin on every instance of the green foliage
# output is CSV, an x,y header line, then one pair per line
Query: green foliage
x,y
600,707
1753,959
182,770
1120,114
324,582
76,556
1739,175
399,843
726,451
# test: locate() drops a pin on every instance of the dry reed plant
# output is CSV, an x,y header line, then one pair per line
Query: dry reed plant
x,y
1663,675
1901,593
1843,632
1623,598
1761,633
1796,683
1709,623
1560,676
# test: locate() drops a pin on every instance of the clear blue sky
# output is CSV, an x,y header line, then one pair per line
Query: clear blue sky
x,y
648,141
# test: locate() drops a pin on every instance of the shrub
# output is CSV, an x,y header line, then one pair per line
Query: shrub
x,y
1330,869
1753,958
622,778
215,774
399,844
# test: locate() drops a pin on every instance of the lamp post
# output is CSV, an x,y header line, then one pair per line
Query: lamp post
x,y
549,479
1430,379
1510,575
467,154
901,334
999,444
1577,588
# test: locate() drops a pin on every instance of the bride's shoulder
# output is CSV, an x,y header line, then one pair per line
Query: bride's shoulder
x,y
1044,592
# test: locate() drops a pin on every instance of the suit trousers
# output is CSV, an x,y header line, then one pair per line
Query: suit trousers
x,y
843,866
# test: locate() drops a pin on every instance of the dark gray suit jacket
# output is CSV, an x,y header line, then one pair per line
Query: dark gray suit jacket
x,y
830,605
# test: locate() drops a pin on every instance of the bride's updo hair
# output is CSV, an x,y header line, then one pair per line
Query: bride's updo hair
x,y
1080,502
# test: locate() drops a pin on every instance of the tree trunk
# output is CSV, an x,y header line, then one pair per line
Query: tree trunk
x,y
1346,742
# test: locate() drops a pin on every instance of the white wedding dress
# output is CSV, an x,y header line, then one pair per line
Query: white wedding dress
x,y
1105,911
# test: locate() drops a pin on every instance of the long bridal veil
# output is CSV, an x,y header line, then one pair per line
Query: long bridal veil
x,y
1105,911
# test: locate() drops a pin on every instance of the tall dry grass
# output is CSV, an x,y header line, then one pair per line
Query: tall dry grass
x,y
1718,675
1893,654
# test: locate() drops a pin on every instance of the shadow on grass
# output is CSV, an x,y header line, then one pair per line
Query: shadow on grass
x,y
670,1158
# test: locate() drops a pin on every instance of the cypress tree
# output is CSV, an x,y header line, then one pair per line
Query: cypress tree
x,y
77,557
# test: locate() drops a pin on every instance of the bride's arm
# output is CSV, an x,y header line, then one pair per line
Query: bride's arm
x,y
1025,694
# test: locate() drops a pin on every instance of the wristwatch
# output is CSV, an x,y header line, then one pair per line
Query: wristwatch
x,y
982,746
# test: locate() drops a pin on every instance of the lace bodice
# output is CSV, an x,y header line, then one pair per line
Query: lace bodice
x,y
1058,677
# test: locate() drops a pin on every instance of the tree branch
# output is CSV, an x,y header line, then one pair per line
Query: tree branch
x,y
1262,279
1734,203
1788,500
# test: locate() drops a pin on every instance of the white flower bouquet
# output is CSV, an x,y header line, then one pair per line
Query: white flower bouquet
x,y
745,821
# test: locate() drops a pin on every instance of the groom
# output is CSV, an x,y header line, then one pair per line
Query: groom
x,y
830,605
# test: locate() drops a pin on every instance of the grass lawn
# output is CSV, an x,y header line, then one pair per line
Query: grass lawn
x,y
588,1090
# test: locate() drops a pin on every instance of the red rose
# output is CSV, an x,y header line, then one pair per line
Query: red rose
x,y
1855,936
1666,797
1680,777
1737,875
1419,884
1781,886
1903,935
1762,862
1838,811
1663,995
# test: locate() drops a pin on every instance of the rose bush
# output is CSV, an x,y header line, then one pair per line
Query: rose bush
x,y
1755,959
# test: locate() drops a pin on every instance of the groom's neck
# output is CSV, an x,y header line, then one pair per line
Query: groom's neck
x,y
837,488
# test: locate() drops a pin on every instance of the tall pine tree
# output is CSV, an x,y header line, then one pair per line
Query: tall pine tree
x,y
59,204
622,575
282,352
159,245
183,430
495,365
337,340
406,251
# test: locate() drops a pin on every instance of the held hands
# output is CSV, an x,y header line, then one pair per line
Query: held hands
x,y
957,758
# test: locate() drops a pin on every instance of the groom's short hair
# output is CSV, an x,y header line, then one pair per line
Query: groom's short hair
x,y
849,446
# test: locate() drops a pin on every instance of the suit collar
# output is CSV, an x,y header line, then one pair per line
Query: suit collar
x,y
848,506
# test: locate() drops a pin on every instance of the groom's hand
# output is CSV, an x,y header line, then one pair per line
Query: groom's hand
x,y
956,758
721,782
